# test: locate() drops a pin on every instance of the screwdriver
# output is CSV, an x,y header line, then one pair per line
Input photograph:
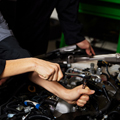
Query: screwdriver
x,y
84,83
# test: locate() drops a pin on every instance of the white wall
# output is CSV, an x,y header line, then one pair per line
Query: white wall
x,y
54,14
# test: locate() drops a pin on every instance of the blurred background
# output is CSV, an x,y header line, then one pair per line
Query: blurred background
x,y
100,19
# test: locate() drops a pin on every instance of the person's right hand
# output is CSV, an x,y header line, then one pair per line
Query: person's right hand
x,y
48,70
78,95
86,45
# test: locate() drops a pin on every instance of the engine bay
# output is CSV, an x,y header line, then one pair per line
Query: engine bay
x,y
24,100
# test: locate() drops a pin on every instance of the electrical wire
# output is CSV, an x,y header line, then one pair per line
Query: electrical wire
x,y
11,98
108,71
38,116
112,85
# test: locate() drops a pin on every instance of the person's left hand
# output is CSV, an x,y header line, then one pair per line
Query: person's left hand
x,y
48,70
86,45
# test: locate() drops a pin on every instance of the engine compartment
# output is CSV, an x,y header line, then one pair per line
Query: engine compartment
x,y
27,101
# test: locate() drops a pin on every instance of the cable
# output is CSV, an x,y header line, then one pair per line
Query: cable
x,y
105,92
112,85
108,72
3,116
105,75
113,112
67,72
38,116
11,98
11,109
104,109
109,81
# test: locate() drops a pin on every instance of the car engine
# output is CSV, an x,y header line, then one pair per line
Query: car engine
x,y
27,101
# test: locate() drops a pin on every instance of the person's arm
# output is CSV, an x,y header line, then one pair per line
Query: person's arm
x,y
72,29
78,95
9,46
45,69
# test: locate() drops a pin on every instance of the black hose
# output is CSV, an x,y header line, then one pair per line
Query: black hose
x,y
3,105
113,112
11,98
38,116
20,113
8,105
104,109
109,73
109,81
3,116
51,102
11,109
105,75
105,92
112,85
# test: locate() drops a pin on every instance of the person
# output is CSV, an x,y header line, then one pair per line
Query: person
x,y
78,95
32,24
45,69
9,46
16,60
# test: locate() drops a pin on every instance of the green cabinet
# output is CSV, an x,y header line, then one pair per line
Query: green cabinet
x,y
113,1
104,8
101,8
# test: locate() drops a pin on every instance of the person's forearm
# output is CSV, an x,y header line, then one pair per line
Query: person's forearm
x,y
46,70
52,86
18,66
77,95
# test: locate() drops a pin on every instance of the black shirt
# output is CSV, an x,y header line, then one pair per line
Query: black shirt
x,y
2,65
32,28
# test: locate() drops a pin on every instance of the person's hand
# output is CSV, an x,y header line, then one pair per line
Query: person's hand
x,y
86,45
79,96
48,70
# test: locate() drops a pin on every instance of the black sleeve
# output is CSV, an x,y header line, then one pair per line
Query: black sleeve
x,y
68,16
10,49
2,65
